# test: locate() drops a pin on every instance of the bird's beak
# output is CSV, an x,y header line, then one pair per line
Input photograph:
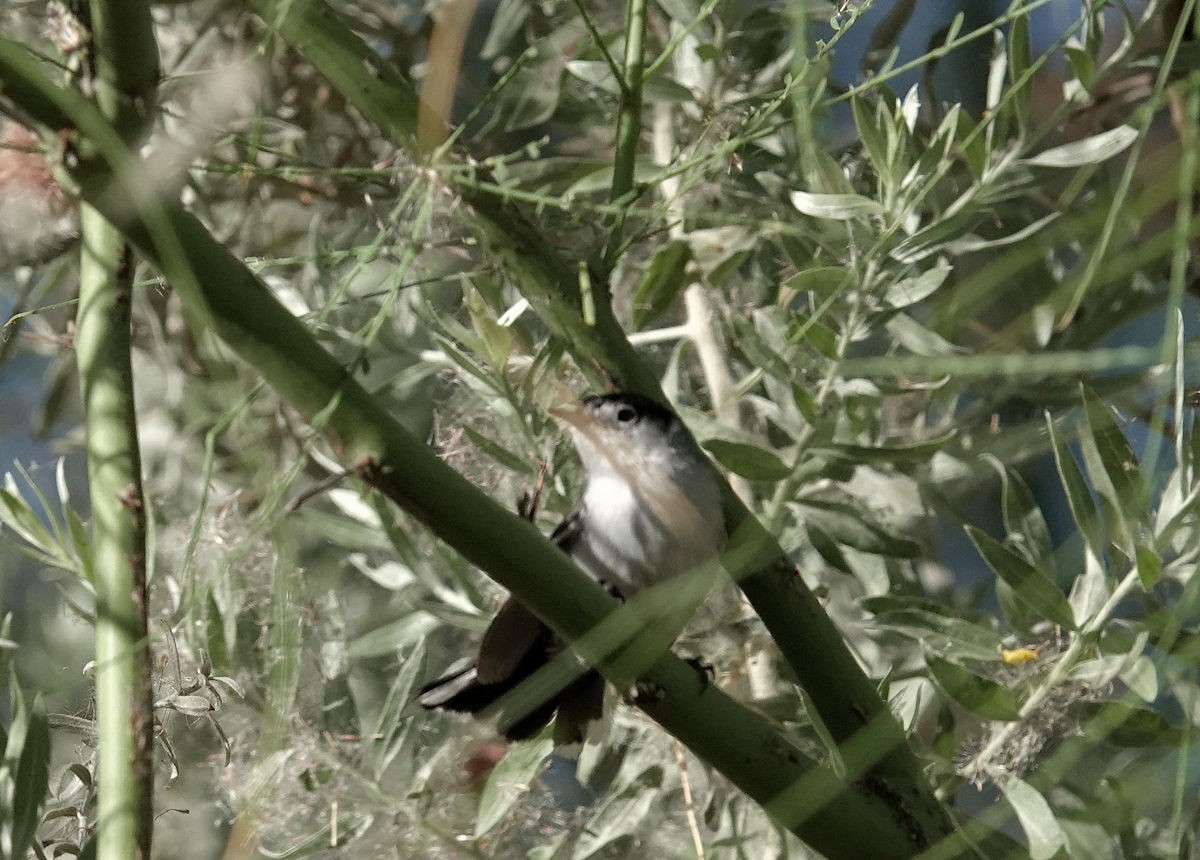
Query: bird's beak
x,y
573,416
586,429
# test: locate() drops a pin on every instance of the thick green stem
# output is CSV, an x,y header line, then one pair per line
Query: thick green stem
x,y
125,59
629,116
123,706
125,64
629,135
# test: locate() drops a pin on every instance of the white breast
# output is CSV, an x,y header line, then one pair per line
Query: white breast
x,y
643,526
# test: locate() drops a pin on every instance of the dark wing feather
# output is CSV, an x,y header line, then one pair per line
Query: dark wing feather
x,y
510,636
515,646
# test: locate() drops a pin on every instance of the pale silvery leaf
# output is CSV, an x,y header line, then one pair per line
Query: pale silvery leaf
x,y
1090,150
836,207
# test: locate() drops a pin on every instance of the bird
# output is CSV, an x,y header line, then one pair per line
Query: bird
x,y
649,510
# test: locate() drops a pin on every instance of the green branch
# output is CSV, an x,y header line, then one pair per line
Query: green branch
x,y
125,57
629,115
125,63
124,717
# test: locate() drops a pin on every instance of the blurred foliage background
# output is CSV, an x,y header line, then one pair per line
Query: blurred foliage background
x,y
919,275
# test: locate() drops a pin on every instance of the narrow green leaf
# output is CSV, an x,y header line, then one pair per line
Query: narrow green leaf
x,y
1018,63
822,280
1117,457
391,725
81,541
506,458
394,636
664,88
952,29
918,452
376,88
879,604
665,277
1118,480
805,402
851,526
1082,65
1149,564
1018,614
917,338
660,87
596,73
189,706
681,12
749,461
949,636
909,291
868,122
14,741
44,502
937,236
1028,533
971,146
1079,497
25,756
827,548
974,692
509,780
16,514
1099,672
805,328
970,243
32,778
1030,586
464,359
497,340
1090,150
835,207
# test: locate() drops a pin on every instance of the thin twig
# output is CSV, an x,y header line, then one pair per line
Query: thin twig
x,y
318,488
689,805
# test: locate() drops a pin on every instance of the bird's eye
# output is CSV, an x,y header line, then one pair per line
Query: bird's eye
x,y
626,414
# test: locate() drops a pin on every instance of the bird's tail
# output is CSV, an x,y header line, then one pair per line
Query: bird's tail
x,y
520,716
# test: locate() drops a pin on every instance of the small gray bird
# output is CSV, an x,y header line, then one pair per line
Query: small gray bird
x,y
650,510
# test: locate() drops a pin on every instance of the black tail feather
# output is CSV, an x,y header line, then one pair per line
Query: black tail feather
x,y
460,691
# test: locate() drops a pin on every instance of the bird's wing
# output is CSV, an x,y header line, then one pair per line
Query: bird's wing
x,y
513,632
